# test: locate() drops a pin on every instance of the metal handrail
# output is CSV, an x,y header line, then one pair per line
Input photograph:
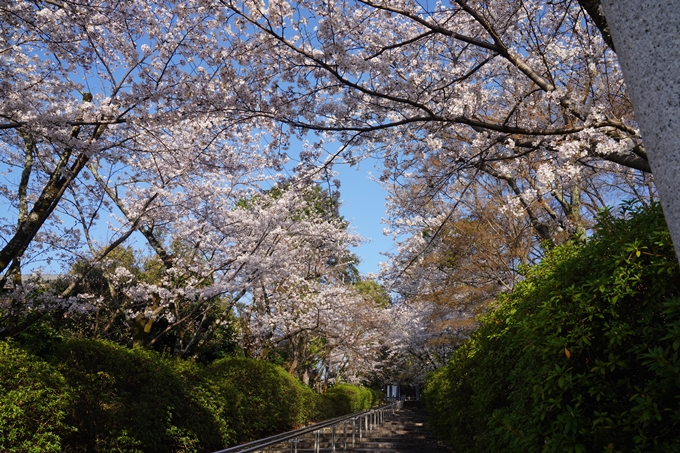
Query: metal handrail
x,y
293,435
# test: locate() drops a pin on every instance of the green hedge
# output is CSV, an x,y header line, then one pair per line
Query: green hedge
x,y
346,399
581,357
266,398
34,398
96,396
134,401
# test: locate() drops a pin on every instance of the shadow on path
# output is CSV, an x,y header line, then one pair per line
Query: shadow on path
x,y
405,432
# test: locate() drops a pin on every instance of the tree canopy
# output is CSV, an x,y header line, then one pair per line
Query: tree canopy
x,y
202,128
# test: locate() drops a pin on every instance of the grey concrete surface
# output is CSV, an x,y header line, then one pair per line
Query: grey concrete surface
x,y
646,34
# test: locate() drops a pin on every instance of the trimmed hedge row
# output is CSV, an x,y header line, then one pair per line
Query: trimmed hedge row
x,y
583,356
346,399
34,398
95,396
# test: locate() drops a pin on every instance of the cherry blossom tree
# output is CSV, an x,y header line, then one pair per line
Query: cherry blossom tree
x,y
147,113
461,251
419,336
524,97
325,333
139,112
460,261
491,87
235,253
313,314
480,83
112,108
164,116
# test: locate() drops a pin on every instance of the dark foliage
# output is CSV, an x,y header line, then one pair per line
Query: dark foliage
x,y
581,357
96,396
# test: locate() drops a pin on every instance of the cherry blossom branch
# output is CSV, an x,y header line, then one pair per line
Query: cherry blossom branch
x,y
497,46
48,199
99,257
98,123
147,231
540,227
401,44
433,27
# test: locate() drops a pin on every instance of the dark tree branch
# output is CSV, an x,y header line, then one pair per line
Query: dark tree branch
x,y
592,7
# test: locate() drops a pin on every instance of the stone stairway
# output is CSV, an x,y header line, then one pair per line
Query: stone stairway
x,y
404,432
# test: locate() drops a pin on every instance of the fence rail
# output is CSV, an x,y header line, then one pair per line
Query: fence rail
x,y
361,422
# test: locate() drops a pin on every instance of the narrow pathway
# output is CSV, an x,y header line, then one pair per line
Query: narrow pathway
x,y
404,432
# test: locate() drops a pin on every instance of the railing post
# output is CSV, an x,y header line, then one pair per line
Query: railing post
x,y
344,432
367,421
333,438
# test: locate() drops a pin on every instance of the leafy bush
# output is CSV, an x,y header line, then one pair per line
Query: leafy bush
x,y
97,396
266,398
132,400
346,398
33,403
581,356
378,396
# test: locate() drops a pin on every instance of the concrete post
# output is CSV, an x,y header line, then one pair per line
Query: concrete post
x,y
646,34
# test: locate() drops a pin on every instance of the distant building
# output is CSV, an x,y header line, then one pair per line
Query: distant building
x,y
402,392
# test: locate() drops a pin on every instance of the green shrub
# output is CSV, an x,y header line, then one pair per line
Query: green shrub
x,y
348,398
96,396
377,397
266,398
582,356
330,406
33,403
132,400
218,398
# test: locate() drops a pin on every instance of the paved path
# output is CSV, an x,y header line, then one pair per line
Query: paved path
x,y
404,432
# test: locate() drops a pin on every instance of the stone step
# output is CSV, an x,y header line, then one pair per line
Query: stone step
x,y
404,432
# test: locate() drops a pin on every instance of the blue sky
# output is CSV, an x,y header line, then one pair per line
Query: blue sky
x,y
363,205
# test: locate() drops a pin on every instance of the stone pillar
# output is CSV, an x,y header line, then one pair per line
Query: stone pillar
x,y
646,34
